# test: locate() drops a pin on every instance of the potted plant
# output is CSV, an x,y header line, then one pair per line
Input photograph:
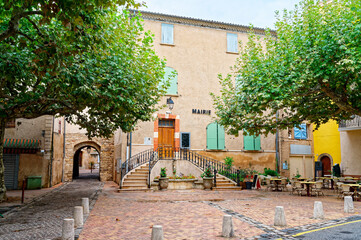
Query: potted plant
x,y
249,181
207,179
163,180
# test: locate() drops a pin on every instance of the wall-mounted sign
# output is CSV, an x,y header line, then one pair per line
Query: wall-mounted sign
x,y
201,111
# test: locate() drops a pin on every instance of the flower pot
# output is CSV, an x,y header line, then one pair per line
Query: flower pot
x,y
243,185
207,183
163,183
248,185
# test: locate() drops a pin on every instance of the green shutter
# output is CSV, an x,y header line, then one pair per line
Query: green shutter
x,y
173,82
257,143
212,136
221,137
248,142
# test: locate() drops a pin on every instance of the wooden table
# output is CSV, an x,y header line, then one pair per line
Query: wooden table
x,y
331,179
308,186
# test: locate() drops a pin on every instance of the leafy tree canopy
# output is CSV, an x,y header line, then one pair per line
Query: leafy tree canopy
x,y
85,59
309,72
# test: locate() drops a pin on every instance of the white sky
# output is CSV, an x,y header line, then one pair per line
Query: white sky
x,y
260,13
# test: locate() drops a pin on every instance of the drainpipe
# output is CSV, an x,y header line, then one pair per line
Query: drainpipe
x,y
62,174
51,154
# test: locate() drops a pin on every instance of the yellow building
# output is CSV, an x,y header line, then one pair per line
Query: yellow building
x,y
327,148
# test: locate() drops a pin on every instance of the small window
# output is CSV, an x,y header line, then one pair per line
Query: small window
x,y
166,123
300,131
215,137
252,142
173,88
167,33
10,123
232,43
185,140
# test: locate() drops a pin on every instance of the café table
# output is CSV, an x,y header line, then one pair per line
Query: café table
x,y
331,180
308,186
276,181
354,187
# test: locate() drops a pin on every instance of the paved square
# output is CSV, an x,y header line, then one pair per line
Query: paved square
x,y
197,214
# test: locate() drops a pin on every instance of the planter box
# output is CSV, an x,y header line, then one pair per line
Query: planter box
x,y
180,184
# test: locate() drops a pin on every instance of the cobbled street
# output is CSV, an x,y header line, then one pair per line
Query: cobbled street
x,y
42,219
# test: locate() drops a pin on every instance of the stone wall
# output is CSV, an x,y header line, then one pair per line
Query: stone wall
x,y
105,147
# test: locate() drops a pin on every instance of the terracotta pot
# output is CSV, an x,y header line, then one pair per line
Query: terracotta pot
x,y
163,183
207,183
243,185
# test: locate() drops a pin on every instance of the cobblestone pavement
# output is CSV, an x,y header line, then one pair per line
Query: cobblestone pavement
x,y
42,219
197,214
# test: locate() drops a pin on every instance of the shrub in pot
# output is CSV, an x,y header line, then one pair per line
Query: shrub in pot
x,y
163,180
207,179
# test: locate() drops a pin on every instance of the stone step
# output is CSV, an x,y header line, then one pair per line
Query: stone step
x,y
140,181
134,190
141,170
140,175
234,188
225,184
132,183
141,186
132,178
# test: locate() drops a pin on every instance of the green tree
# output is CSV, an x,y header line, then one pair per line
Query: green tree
x,y
309,71
85,60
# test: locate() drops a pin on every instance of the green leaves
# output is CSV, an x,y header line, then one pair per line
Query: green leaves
x,y
84,60
311,71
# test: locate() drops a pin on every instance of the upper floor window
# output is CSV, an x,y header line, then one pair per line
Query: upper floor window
x,y
167,33
173,88
232,43
215,136
300,131
252,142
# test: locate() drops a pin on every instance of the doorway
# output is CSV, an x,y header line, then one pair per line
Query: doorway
x,y
326,165
86,163
166,138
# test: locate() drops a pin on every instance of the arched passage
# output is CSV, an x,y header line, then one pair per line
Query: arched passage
x,y
86,160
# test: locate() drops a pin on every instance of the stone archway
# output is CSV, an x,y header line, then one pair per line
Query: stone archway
x,y
327,162
105,148
77,159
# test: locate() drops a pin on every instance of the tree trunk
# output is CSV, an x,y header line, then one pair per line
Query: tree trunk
x,y
2,169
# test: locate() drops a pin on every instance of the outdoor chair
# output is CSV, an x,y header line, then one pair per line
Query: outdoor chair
x,y
282,185
346,191
270,185
299,189
317,189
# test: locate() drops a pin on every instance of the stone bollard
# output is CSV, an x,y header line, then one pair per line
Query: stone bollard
x,y
280,219
318,210
227,227
68,229
85,203
157,232
348,204
78,216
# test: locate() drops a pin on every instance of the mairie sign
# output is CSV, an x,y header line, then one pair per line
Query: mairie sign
x,y
201,111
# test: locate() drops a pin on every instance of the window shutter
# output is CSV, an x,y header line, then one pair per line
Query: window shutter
x,y
167,33
232,42
257,142
173,88
221,137
248,142
212,136
300,131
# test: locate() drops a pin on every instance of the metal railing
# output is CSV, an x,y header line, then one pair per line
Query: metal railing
x,y
355,122
152,156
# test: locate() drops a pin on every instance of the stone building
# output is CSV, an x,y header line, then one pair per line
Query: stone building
x,y
196,52
33,148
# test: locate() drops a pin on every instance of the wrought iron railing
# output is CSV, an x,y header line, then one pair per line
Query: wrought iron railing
x,y
152,156
355,122
134,162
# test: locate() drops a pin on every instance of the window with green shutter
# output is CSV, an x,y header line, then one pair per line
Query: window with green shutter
x,y
173,88
215,137
252,142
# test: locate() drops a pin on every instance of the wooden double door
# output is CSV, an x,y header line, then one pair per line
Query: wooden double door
x,y
166,138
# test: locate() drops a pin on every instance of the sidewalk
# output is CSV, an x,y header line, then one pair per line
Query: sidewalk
x,y
197,214
43,217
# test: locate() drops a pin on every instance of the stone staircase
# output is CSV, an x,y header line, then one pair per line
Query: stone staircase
x,y
136,180
224,184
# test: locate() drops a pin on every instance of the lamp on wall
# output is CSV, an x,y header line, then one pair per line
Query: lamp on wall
x,y
170,103
88,149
